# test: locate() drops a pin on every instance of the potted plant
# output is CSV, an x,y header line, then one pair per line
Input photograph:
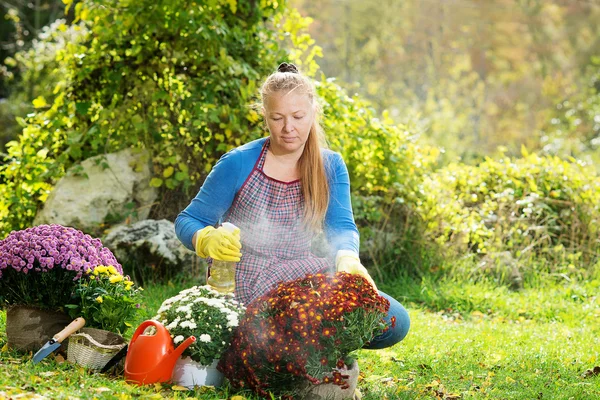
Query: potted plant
x,y
109,302
299,336
211,317
39,268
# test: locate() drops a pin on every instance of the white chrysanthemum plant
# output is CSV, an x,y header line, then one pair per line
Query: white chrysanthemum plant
x,y
208,315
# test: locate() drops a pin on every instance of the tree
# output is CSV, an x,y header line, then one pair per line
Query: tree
x,y
173,77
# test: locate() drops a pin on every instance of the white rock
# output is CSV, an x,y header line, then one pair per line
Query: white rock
x,y
100,186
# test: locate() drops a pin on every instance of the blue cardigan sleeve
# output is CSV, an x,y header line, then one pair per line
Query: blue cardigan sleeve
x,y
340,228
212,201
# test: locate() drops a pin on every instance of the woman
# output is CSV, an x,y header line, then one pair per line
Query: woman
x,y
280,191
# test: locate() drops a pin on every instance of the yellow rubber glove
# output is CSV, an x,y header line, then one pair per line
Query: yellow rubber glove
x,y
348,261
219,244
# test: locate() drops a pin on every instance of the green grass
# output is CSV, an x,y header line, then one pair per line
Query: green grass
x,y
467,341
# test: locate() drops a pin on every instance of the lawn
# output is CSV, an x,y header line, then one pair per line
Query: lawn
x,y
467,341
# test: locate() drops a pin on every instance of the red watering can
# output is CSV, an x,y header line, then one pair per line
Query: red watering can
x,y
151,358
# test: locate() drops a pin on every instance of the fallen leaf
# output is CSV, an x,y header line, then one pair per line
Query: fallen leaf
x,y
147,396
59,359
238,398
433,384
177,387
592,372
205,389
374,378
48,374
102,390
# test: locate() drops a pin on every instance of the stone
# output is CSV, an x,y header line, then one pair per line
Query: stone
x,y
150,250
102,189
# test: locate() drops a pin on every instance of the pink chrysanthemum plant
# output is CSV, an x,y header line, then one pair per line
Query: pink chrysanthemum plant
x,y
40,266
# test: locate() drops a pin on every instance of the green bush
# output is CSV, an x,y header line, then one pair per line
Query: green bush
x,y
512,211
174,77
573,126
34,73
386,167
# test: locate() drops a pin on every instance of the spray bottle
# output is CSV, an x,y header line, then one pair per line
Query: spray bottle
x,y
222,273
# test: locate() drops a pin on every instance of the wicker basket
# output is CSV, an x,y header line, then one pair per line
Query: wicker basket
x,y
93,348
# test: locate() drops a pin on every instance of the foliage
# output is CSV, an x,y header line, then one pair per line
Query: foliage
x,y
511,210
40,265
386,167
38,69
303,330
471,78
106,300
173,77
205,313
572,127
20,27
50,291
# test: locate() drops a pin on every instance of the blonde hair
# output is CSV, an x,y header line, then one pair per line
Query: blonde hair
x,y
313,178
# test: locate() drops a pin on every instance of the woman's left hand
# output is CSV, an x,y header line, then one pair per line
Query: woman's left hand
x,y
347,261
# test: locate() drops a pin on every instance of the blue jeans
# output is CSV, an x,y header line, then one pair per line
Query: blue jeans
x,y
392,335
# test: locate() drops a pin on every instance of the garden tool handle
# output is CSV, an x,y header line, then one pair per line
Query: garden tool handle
x,y
74,326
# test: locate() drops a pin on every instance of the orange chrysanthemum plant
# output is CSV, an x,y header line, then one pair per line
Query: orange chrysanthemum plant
x,y
303,330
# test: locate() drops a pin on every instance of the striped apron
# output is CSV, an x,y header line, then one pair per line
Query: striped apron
x,y
275,245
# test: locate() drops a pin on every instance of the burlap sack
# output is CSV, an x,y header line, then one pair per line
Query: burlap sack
x,y
329,391
29,328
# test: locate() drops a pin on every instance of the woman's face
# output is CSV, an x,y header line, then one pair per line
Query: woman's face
x,y
289,118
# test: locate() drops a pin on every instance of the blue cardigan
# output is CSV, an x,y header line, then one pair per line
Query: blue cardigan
x,y
229,174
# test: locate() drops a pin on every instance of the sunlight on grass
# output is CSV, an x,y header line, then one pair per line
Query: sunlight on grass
x,y
466,341
485,357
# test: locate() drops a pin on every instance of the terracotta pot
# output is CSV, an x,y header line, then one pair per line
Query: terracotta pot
x,y
28,328
189,373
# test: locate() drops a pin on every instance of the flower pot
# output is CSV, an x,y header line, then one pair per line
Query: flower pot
x,y
330,391
28,328
93,348
189,373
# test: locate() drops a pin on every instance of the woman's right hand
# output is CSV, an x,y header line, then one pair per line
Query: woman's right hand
x,y
219,244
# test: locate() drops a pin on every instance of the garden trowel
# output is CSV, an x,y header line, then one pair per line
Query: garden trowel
x,y
57,339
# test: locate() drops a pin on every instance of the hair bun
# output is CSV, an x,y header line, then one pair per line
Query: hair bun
x,y
287,67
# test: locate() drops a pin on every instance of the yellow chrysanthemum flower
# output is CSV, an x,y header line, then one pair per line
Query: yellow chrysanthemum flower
x,y
115,278
99,299
100,269
113,270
